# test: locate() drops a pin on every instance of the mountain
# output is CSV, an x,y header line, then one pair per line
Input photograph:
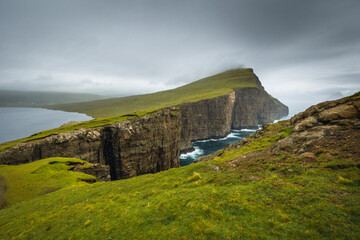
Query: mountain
x,y
40,99
207,88
295,179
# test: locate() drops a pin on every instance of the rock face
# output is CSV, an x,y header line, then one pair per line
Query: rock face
x,y
145,145
214,118
132,147
152,143
100,171
209,118
254,106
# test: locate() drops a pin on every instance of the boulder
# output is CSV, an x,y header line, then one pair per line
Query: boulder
x,y
305,124
339,112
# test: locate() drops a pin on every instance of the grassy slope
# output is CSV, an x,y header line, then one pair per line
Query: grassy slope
x,y
259,201
209,87
34,99
28,181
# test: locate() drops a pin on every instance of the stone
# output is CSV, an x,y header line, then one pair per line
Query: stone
x,y
100,171
305,124
339,112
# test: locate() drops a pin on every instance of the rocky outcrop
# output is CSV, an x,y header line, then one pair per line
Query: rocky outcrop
x,y
100,171
345,110
153,142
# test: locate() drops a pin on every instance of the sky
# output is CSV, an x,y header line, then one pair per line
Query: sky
x,y
303,52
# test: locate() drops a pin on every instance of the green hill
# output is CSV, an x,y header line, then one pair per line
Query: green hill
x,y
38,99
209,87
296,179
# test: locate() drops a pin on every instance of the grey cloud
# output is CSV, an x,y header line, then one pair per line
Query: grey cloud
x,y
132,47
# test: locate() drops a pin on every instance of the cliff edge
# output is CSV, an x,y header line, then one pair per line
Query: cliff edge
x,y
152,142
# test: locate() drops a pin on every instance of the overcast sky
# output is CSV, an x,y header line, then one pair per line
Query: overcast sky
x,y
303,51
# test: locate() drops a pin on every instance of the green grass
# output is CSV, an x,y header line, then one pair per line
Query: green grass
x,y
318,201
210,87
28,181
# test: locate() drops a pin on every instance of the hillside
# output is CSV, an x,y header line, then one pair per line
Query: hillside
x,y
296,179
38,99
210,87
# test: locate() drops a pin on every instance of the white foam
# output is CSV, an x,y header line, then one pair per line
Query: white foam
x,y
283,118
247,130
209,140
232,135
197,152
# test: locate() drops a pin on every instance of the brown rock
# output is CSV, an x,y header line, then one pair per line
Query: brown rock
x,y
339,112
305,124
357,105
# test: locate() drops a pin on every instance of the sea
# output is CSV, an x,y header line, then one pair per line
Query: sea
x,y
209,146
18,123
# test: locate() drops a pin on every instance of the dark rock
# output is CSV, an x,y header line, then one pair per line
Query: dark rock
x,y
305,124
100,171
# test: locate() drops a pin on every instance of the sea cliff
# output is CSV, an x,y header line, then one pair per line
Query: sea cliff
x,y
214,118
153,142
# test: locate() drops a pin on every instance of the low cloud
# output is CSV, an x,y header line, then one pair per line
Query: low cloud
x,y
133,47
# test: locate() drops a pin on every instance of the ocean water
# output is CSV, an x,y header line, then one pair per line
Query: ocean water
x,y
209,146
17,123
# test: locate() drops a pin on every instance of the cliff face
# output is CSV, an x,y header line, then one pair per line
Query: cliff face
x,y
132,147
152,143
204,119
83,143
145,145
214,118
254,106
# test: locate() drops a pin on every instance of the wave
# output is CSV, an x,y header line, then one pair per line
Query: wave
x,y
232,134
281,119
244,130
194,154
